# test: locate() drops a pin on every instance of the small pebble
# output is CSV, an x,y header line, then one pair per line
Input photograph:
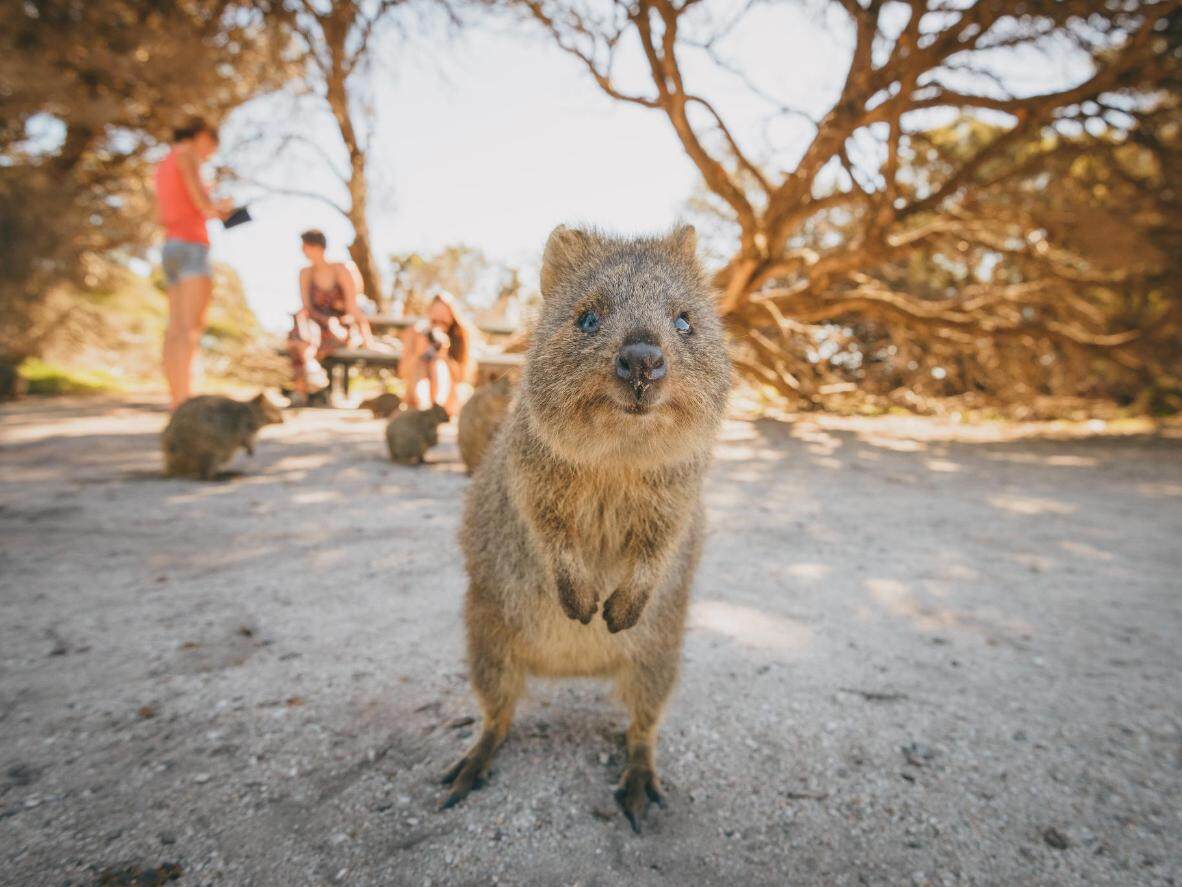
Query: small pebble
x,y
917,754
1055,838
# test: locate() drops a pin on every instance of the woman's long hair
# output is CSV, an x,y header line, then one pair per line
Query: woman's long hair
x,y
191,127
461,333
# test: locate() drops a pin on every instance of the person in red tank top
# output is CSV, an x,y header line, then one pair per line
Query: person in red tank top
x,y
183,205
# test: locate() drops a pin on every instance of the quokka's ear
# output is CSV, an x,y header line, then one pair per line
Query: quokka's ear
x,y
685,241
565,248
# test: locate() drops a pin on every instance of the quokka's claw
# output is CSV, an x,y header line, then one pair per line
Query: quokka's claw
x,y
637,790
465,776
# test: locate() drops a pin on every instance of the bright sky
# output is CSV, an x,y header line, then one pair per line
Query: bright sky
x,y
509,144
493,138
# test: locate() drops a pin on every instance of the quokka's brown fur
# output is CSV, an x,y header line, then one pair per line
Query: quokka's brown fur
x,y
205,432
412,432
480,419
590,494
383,406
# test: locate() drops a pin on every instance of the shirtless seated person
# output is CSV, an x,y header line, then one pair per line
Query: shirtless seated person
x,y
329,319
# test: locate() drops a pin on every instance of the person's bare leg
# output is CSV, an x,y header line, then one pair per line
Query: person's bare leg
x,y
420,394
297,350
439,375
176,337
188,302
202,295
410,365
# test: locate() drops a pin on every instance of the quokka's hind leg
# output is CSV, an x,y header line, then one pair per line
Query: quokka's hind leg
x,y
498,683
645,686
207,466
178,465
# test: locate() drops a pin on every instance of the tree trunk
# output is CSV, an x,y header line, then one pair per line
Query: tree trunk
x,y
361,249
363,256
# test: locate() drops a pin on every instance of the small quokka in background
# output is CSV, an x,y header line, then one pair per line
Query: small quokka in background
x,y
583,526
411,433
205,432
480,418
383,406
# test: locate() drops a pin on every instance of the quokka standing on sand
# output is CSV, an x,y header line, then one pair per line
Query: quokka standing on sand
x,y
591,492
411,433
205,432
480,419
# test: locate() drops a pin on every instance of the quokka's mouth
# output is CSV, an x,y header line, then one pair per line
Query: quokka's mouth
x,y
625,402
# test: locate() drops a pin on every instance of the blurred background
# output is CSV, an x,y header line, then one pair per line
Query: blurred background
x,y
935,635
936,206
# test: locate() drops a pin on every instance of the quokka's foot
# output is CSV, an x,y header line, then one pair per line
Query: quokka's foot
x,y
468,774
622,610
638,788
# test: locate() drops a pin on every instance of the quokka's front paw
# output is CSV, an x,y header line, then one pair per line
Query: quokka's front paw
x,y
622,610
576,604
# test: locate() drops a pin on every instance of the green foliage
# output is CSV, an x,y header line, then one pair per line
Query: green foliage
x,y
110,335
490,287
52,379
950,226
89,90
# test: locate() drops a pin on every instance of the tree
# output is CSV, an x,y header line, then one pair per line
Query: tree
x,y
493,290
89,89
334,48
916,215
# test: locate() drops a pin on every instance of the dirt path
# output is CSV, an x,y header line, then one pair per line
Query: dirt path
x,y
912,661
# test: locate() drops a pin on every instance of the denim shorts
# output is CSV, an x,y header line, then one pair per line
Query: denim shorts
x,y
182,259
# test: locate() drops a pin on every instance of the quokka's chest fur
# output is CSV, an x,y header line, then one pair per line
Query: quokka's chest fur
x,y
607,514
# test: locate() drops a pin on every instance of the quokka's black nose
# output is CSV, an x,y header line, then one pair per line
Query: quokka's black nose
x,y
640,363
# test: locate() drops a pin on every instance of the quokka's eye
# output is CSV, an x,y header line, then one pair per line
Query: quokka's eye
x,y
682,325
588,321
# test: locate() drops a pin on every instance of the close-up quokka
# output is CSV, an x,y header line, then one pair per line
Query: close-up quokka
x,y
583,524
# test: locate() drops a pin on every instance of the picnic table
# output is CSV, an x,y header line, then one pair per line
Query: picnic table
x,y
490,365
385,324
339,364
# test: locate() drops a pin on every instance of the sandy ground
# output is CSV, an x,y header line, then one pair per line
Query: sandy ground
x,y
913,660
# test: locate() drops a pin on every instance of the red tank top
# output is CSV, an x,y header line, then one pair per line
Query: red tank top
x,y
178,214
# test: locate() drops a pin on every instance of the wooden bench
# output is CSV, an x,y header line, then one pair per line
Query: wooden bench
x,y
490,366
347,358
